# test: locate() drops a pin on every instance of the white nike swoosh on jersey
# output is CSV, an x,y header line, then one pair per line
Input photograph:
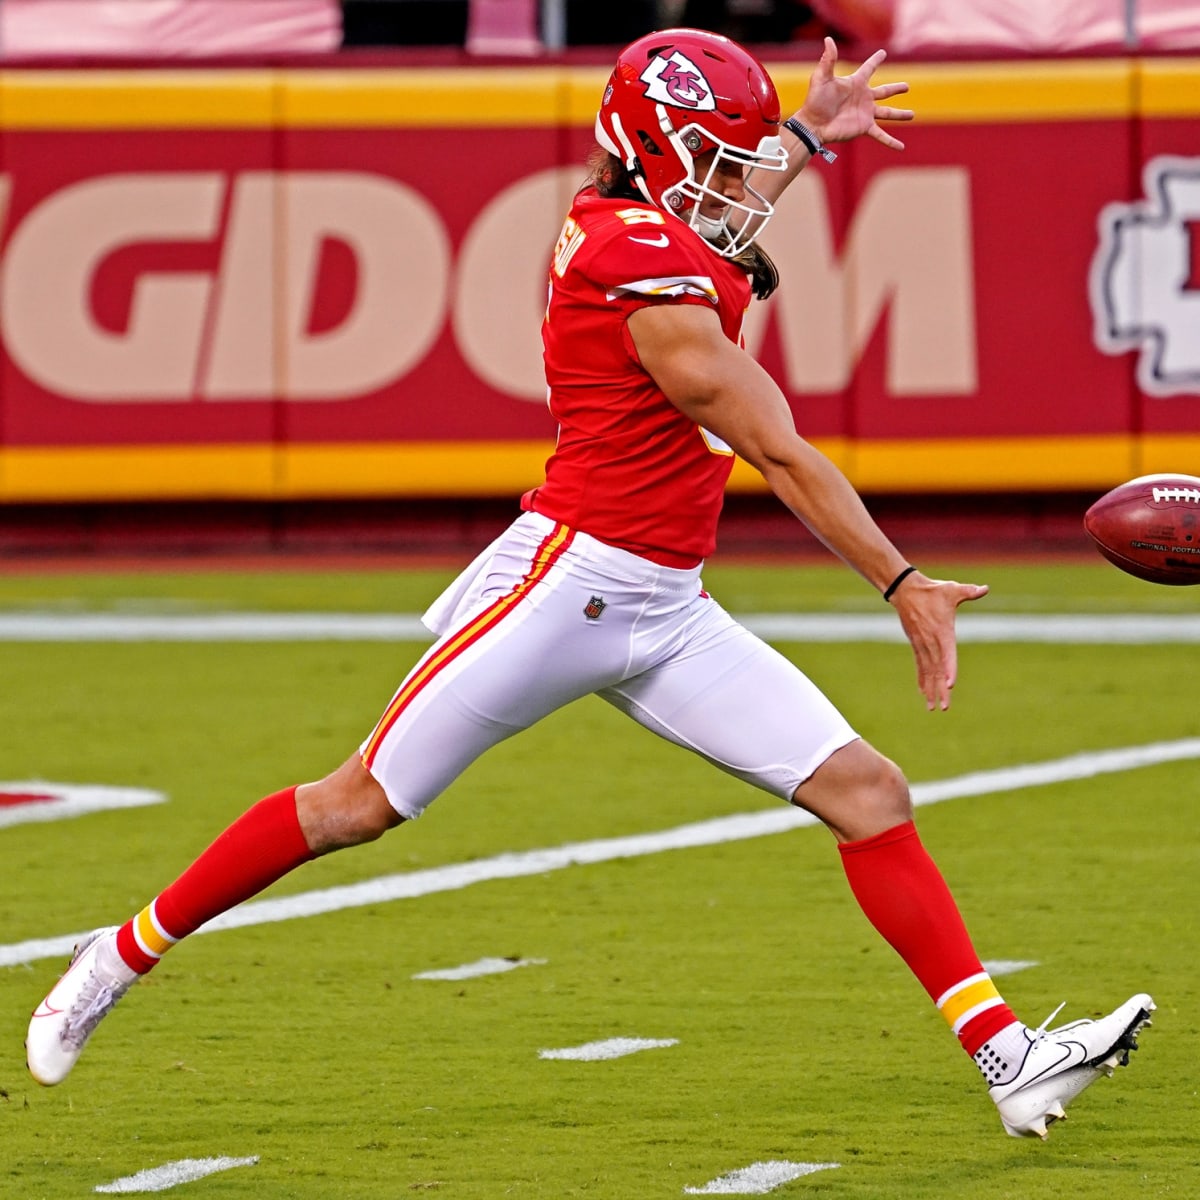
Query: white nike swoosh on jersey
x,y
661,240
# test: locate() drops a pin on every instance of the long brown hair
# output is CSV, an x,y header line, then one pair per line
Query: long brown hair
x,y
607,174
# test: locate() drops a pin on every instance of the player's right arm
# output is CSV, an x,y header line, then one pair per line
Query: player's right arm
x,y
724,390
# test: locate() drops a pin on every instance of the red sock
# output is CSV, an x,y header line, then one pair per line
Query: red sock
x,y
261,846
903,894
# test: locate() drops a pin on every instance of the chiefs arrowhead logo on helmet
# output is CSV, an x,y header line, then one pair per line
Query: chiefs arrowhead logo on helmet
x,y
677,80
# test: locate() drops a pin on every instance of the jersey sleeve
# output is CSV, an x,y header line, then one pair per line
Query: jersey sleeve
x,y
640,263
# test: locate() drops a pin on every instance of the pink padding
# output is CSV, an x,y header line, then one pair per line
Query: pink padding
x,y
167,28
502,27
962,27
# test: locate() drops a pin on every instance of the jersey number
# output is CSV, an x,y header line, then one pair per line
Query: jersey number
x,y
569,242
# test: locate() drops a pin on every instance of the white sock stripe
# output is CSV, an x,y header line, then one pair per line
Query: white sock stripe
x,y
958,987
972,1013
137,937
158,927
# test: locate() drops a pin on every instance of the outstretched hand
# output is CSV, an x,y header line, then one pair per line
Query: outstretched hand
x,y
927,608
841,107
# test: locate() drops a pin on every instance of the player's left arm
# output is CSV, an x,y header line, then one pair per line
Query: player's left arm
x,y
837,108
723,389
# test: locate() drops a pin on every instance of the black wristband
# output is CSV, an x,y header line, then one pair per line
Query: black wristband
x,y
891,588
812,143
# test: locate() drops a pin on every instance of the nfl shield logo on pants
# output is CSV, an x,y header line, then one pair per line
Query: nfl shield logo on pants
x,y
594,607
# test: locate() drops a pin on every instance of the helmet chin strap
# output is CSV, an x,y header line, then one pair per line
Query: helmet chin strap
x,y
711,229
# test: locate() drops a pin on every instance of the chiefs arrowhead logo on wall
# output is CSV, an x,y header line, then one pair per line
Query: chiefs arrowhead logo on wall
x,y
1145,278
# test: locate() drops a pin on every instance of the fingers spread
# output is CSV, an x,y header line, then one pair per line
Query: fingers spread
x,y
885,139
871,65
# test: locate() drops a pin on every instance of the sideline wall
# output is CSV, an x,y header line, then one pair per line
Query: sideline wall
x,y
306,283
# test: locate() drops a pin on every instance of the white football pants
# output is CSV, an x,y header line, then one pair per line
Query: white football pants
x,y
546,615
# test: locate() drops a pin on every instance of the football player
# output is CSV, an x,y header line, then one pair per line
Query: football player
x,y
595,587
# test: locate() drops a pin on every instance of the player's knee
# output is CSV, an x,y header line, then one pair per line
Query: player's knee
x,y
857,793
886,798
347,808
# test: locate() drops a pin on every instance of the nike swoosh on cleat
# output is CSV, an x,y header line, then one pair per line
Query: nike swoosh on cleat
x,y
661,240
44,1010
1069,1050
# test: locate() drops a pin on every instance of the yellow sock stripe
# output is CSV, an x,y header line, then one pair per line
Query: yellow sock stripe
x,y
963,998
149,934
544,560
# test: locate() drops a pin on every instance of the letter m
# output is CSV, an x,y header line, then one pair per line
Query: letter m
x,y
906,257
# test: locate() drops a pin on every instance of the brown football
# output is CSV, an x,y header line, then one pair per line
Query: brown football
x,y
1150,527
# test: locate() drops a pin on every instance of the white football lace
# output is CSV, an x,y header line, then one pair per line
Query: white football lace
x,y
1040,1031
93,1005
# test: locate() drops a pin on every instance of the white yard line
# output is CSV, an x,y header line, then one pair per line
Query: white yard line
x,y
1058,628
483,966
1007,966
212,627
172,1174
618,1047
758,1179
519,864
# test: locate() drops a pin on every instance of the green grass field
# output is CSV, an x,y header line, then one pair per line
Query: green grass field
x,y
800,1036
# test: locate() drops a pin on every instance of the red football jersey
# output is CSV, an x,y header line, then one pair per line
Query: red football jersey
x,y
629,468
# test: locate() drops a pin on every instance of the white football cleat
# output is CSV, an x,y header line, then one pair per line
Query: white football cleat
x,y
61,1025
1061,1063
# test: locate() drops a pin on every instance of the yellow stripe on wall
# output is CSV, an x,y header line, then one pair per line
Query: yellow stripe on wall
x,y
552,96
262,472
484,469
150,99
1172,453
986,464
482,97
1170,87
944,93
435,469
49,474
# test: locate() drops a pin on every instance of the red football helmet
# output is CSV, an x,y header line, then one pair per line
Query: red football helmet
x,y
676,94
